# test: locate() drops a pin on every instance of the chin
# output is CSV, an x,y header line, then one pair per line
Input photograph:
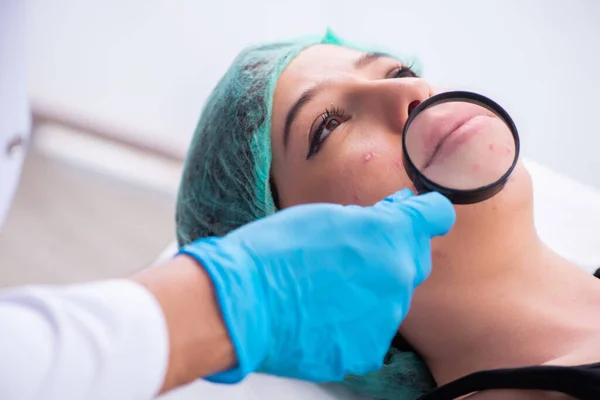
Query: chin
x,y
480,224
515,198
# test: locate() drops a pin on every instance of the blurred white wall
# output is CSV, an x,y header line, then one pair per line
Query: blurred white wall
x,y
146,66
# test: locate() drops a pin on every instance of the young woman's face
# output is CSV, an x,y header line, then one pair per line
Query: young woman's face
x,y
338,116
337,124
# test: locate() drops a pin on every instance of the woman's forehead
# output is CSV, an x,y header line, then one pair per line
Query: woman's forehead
x,y
323,59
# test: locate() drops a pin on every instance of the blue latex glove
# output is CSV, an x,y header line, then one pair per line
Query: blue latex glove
x,y
316,292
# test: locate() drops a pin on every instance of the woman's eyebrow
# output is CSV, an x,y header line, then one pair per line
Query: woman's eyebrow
x,y
306,97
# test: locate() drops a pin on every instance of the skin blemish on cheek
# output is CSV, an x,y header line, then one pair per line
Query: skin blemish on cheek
x,y
476,167
507,150
368,157
491,147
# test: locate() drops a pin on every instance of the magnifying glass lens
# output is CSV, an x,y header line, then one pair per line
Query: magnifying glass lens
x,y
462,148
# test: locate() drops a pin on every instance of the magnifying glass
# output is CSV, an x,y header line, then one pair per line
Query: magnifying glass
x,y
460,144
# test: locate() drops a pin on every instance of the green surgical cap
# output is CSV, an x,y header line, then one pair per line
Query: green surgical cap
x,y
226,177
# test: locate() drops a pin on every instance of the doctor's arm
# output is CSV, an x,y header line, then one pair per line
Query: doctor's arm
x,y
313,292
199,342
117,339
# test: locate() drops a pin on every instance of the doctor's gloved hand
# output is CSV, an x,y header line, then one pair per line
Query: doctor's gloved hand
x,y
316,292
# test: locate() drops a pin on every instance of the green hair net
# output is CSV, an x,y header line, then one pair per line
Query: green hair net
x,y
226,178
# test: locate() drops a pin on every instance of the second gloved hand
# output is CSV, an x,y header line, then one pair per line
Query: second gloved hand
x,y
316,292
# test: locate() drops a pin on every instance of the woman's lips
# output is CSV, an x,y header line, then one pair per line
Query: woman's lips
x,y
445,132
452,141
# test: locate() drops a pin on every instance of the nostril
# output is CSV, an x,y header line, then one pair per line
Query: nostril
x,y
412,106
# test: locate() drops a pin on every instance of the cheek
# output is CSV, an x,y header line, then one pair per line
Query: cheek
x,y
361,174
377,174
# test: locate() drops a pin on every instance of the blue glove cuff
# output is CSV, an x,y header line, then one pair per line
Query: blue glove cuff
x,y
239,293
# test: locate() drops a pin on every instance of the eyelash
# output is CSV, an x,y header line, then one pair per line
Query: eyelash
x,y
400,71
405,70
316,140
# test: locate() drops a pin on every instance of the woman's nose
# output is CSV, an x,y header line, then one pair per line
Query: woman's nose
x,y
394,99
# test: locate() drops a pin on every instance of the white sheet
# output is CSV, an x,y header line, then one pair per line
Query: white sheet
x,y
567,216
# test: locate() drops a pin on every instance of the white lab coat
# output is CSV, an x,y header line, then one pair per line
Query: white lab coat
x,y
105,340
96,341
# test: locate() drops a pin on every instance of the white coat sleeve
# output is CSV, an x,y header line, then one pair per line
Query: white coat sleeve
x,y
102,340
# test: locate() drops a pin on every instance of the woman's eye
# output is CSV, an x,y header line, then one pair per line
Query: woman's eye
x,y
327,127
329,124
332,124
403,72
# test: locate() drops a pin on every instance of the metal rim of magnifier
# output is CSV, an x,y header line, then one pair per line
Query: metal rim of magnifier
x,y
459,196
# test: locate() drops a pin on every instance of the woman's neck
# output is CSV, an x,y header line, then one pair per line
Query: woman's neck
x,y
516,306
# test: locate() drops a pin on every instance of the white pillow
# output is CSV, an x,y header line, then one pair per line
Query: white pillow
x,y
567,215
